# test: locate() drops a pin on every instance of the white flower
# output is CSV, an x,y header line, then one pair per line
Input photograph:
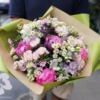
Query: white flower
x,y
15,64
70,38
63,47
64,50
40,35
59,45
61,77
7,85
26,31
64,43
55,55
58,29
62,34
66,57
54,64
64,54
59,59
26,38
33,32
55,45
60,52
71,48
56,50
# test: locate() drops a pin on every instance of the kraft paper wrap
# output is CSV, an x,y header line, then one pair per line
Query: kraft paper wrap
x,y
91,38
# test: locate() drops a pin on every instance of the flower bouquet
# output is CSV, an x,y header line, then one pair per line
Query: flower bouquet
x,y
49,51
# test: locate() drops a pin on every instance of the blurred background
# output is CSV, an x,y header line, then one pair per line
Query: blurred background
x,y
86,89
95,15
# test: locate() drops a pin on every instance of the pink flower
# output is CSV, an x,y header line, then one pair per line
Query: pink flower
x,y
84,53
58,29
78,41
35,56
78,58
52,39
46,76
34,42
22,47
22,65
43,63
11,43
42,50
82,63
34,66
45,21
12,51
28,55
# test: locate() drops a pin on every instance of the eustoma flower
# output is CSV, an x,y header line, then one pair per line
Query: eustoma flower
x,y
28,55
22,65
35,42
46,76
39,52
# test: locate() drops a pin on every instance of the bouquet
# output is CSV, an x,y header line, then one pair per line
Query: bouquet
x,y
48,50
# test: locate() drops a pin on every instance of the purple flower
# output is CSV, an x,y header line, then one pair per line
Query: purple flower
x,y
52,39
43,63
34,66
22,65
11,43
73,68
45,21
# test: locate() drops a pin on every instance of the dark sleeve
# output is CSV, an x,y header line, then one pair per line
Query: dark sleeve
x,y
81,6
17,9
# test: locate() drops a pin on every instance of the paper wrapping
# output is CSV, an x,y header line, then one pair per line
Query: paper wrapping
x,y
91,39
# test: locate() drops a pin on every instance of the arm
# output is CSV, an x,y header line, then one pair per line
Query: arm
x,y
17,9
13,19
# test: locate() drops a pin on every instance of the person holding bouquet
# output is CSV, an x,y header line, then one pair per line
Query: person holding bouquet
x,y
32,9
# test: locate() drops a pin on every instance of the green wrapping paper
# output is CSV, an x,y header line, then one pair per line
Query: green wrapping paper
x,y
9,31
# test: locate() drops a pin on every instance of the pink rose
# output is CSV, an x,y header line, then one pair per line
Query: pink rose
x,y
52,39
84,53
22,47
28,55
46,76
